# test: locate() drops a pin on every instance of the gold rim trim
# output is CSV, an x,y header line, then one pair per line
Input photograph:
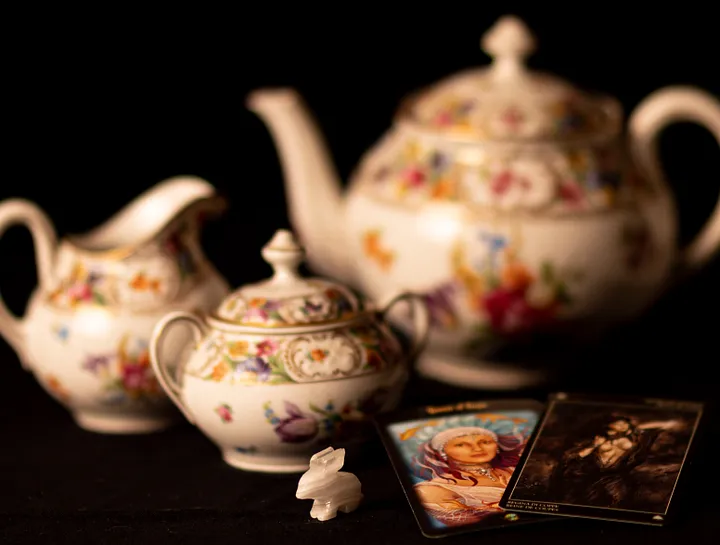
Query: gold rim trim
x,y
359,317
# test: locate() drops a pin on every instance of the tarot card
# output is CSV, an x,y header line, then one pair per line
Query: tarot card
x,y
609,458
454,461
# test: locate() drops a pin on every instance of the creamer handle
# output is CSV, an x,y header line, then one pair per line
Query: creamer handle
x,y
420,317
159,365
655,113
23,212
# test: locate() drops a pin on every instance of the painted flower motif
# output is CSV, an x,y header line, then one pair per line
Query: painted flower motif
x,y
570,192
318,355
512,118
225,412
95,363
510,312
440,306
266,347
296,427
57,388
255,366
521,184
136,373
413,176
374,250
220,370
238,349
126,374
80,292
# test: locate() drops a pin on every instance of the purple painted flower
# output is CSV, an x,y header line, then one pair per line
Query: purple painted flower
x,y
311,307
254,365
95,363
296,427
441,308
93,277
466,107
439,161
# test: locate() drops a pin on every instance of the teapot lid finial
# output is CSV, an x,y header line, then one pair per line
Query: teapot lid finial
x,y
284,255
509,42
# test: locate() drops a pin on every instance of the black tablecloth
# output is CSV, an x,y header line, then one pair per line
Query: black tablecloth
x,y
61,484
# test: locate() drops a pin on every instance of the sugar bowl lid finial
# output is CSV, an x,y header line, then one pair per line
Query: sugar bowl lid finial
x,y
284,254
287,298
509,42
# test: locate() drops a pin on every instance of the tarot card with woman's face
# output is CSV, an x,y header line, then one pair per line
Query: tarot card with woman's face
x,y
608,458
454,461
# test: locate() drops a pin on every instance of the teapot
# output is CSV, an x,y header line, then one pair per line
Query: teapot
x,y
286,366
507,196
86,330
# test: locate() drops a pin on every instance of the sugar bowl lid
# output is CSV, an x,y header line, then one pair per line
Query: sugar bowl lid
x,y
288,299
508,101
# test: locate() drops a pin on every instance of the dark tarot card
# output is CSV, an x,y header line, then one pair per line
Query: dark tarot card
x,y
614,459
455,461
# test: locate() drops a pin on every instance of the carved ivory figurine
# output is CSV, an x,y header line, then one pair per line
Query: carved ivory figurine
x,y
331,488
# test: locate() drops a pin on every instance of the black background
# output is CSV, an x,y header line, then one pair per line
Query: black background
x,y
101,106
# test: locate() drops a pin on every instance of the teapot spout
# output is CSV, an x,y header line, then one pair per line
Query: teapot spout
x,y
311,182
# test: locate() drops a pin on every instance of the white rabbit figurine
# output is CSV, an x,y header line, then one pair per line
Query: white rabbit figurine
x,y
331,488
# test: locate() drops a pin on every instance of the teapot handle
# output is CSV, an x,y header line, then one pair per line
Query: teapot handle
x,y
159,365
420,317
655,113
23,212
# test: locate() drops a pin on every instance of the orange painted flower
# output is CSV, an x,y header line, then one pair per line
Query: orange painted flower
x,y
143,359
444,189
318,355
141,282
257,302
516,276
374,251
55,387
220,370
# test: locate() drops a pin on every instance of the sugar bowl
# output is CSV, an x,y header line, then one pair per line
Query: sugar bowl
x,y
289,365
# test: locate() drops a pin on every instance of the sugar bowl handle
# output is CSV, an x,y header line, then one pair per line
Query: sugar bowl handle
x,y
160,365
420,320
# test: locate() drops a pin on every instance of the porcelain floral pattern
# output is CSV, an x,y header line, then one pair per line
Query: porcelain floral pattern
x,y
322,422
303,358
327,305
148,279
470,116
126,374
552,180
503,292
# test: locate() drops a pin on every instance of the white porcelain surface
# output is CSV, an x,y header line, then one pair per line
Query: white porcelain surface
x,y
86,330
509,197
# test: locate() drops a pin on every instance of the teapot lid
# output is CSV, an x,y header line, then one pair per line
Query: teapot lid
x,y
508,101
288,299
